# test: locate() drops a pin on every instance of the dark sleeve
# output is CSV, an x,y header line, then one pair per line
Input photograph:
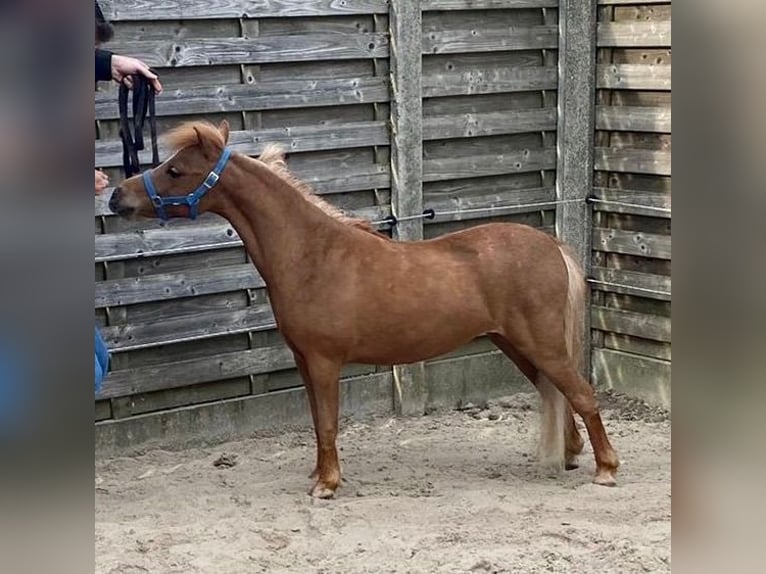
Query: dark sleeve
x,y
103,65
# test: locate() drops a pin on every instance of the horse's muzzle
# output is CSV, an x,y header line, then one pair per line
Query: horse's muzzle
x,y
114,203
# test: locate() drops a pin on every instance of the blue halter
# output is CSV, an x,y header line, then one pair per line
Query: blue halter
x,y
192,199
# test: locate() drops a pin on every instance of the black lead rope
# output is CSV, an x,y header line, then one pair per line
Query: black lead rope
x,y
132,128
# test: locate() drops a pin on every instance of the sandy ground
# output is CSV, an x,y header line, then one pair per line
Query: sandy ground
x,y
450,492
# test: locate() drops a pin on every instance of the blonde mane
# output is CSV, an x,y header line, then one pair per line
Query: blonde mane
x,y
273,156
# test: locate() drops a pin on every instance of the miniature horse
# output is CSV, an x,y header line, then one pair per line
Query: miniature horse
x,y
333,305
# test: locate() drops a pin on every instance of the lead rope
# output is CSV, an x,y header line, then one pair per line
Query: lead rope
x,y
132,128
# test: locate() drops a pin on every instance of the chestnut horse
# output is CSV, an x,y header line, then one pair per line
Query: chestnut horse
x,y
343,293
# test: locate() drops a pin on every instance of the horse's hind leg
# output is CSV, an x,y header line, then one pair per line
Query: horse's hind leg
x,y
573,440
562,373
555,441
301,364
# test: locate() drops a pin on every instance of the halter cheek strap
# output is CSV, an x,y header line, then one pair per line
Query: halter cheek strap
x,y
190,200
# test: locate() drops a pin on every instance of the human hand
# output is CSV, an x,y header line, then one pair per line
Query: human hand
x,y
102,180
124,66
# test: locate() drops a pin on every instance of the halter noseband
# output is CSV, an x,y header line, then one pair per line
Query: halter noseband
x,y
190,200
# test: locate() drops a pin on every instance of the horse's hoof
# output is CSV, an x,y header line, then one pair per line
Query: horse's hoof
x,y
571,465
605,478
322,491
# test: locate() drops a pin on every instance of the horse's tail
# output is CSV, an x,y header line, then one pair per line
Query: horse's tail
x,y
555,405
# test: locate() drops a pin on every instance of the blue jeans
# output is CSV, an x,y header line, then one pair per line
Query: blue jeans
x,y
102,360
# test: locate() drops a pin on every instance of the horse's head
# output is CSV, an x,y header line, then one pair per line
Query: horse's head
x,y
179,186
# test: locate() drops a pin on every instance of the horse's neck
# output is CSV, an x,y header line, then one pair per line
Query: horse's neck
x,y
280,228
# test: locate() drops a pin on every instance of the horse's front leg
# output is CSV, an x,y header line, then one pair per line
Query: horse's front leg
x,y
323,375
303,370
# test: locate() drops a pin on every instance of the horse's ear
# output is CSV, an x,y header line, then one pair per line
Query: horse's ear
x,y
210,145
224,129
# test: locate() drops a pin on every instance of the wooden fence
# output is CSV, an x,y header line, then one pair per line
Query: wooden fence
x,y
195,353
631,225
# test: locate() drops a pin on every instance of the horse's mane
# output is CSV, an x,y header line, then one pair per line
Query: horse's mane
x,y
273,156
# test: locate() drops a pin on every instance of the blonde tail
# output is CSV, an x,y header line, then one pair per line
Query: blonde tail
x,y
552,452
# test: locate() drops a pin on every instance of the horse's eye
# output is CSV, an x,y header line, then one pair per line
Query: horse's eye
x,y
173,172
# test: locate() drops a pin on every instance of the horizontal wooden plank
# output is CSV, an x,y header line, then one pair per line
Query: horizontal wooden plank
x,y
646,285
632,243
108,153
637,34
165,286
490,81
632,202
490,40
237,418
445,5
641,325
485,165
491,205
633,77
634,375
618,2
627,160
637,346
122,338
258,96
489,123
634,119
210,9
261,50
155,242
195,371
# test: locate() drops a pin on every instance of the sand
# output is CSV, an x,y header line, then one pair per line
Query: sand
x,y
455,491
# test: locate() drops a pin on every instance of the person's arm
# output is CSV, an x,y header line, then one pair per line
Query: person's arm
x,y
103,65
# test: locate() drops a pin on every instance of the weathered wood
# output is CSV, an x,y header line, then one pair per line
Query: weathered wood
x,y
490,40
448,5
633,119
641,325
140,403
236,418
574,166
121,338
647,285
210,9
166,286
617,2
294,139
514,198
647,161
638,346
639,376
489,81
476,166
103,410
261,50
197,370
632,243
259,96
489,123
405,21
158,242
632,202
633,77
634,34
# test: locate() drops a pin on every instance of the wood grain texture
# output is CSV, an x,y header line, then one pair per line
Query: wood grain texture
x,y
489,123
256,96
632,243
261,50
633,77
634,34
490,40
642,325
194,371
211,9
450,5
635,375
294,139
653,162
633,283
634,119
486,165
489,81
